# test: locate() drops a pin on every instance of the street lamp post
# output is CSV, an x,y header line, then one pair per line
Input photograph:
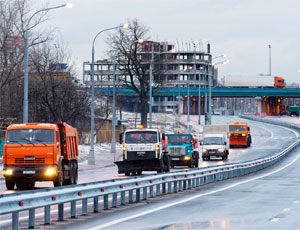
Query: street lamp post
x,y
199,97
113,140
210,76
91,158
150,88
25,105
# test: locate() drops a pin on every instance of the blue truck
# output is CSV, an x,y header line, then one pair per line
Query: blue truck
x,y
182,148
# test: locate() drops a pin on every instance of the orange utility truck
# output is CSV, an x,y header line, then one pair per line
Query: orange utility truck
x,y
40,152
239,134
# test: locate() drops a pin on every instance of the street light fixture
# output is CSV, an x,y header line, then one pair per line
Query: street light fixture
x,y
25,105
91,158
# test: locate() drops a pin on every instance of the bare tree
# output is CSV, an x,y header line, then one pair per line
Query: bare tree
x,y
13,17
131,65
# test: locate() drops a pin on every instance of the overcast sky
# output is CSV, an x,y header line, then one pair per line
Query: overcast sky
x,y
242,29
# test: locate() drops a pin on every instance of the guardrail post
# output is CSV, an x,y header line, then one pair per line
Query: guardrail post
x,y
175,186
193,182
169,187
114,200
31,223
73,209
130,196
184,185
123,202
138,195
151,191
189,183
15,220
61,212
197,181
163,188
157,189
145,193
47,215
180,185
84,207
105,202
96,204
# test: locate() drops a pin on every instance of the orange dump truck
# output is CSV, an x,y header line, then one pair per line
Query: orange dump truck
x,y
40,152
239,134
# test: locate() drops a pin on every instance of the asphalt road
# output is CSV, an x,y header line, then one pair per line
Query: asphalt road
x,y
268,199
267,139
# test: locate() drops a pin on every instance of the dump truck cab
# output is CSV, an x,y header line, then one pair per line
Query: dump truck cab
x,y
182,148
40,152
239,134
143,150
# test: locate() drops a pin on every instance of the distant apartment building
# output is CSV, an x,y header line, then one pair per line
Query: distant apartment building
x,y
175,66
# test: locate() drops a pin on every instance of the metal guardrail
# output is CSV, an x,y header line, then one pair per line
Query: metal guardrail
x,y
126,190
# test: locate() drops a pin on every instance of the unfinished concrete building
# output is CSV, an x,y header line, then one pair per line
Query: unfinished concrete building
x,y
179,65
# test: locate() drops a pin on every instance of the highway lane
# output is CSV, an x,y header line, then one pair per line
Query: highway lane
x,y
266,139
268,199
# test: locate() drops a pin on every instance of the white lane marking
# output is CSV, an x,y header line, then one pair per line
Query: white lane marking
x,y
275,220
296,202
291,130
286,209
111,223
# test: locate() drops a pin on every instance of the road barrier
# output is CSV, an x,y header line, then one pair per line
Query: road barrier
x,y
128,190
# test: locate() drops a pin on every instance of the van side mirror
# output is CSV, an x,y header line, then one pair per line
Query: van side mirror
x,y
201,142
120,138
62,137
163,136
225,143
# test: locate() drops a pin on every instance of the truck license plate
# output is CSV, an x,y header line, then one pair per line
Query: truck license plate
x,y
29,172
175,158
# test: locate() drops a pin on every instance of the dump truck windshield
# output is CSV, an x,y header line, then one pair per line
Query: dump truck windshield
x,y
140,137
237,128
179,139
30,136
213,141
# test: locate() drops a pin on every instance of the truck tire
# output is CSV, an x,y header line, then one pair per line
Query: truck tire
x,y
75,172
196,154
72,172
59,180
10,183
166,163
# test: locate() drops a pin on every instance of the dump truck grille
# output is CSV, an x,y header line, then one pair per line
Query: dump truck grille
x,y
29,160
176,151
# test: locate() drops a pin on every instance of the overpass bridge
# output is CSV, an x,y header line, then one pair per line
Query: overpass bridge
x,y
269,100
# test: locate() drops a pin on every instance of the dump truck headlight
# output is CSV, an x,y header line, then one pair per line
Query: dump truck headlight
x,y
50,172
220,150
7,172
243,134
229,134
204,150
187,157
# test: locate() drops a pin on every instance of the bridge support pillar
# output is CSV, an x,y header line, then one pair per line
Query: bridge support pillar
x,y
268,106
